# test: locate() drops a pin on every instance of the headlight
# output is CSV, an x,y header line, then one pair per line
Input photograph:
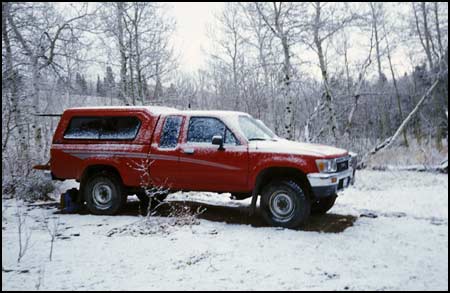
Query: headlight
x,y
326,166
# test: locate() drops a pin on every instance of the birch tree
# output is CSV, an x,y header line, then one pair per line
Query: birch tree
x,y
327,19
282,18
141,32
41,44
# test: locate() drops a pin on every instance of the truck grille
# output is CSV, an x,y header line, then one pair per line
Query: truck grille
x,y
342,164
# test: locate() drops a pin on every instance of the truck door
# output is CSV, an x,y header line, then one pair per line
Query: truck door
x,y
165,152
205,167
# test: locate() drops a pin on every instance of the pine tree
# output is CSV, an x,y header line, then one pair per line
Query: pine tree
x,y
78,83
100,89
109,83
84,85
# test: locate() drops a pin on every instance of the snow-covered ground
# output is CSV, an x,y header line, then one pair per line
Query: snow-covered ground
x,y
388,232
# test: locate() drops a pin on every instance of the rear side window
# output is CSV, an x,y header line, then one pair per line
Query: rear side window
x,y
103,128
119,128
171,132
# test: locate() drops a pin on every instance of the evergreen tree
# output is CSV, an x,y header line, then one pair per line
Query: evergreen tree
x,y
109,83
84,85
158,89
100,91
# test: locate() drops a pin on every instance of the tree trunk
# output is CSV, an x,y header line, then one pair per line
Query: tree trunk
x,y
288,99
11,84
37,129
397,92
137,53
427,35
123,57
131,75
438,30
328,94
381,77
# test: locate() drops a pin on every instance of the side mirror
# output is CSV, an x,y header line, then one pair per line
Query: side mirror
x,y
218,140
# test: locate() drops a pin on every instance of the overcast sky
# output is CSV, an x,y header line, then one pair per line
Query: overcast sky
x,y
192,19
190,40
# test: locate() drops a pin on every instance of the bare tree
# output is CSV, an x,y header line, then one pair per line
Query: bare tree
x,y
23,231
394,81
231,44
10,84
150,192
358,88
377,16
327,21
141,32
43,49
52,226
279,17
120,14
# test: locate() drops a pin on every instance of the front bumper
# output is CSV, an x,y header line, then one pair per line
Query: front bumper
x,y
325,185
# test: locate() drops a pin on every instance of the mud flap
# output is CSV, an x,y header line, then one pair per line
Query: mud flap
x,y
252,208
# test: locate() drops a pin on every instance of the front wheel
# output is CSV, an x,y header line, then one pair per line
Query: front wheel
x,y
285,204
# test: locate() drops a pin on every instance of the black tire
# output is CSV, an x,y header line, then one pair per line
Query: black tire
x,y
323,205
285,204
104,194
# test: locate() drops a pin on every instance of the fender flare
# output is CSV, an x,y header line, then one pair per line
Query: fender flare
x,y
288,172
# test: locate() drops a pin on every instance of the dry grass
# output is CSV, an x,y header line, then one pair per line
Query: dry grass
x,y
425,154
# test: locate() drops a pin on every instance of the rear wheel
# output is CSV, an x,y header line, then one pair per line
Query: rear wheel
x,y
104,194
323,205
285,204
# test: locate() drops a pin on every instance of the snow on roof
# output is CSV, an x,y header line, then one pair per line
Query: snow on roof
x,y
152,109
164,110
213,113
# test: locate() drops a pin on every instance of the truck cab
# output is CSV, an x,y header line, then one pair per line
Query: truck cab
x,y
117,151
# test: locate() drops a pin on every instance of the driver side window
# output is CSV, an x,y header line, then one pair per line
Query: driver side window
x,y
203,129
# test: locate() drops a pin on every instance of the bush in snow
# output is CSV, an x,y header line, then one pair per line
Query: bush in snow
x,y
37,188
177,216
151,195
52,225
19,180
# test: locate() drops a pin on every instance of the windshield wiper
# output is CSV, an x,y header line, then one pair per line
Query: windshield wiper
x,y
256,138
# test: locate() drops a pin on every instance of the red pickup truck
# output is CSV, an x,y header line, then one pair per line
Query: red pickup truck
x,y
216,151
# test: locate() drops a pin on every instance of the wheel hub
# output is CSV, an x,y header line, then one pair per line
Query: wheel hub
x,y
102,195
281,206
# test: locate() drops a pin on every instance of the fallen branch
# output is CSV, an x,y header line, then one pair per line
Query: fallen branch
x,y
390,140
444,166
415,168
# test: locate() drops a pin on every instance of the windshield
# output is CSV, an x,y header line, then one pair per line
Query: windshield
x,y
254,129
267,129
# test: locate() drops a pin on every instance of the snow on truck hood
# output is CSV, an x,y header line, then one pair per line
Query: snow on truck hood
x,y
284,146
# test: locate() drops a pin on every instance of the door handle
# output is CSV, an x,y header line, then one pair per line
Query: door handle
x,y
189,151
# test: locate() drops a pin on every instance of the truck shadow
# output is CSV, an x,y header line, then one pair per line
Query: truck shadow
x,y
328,223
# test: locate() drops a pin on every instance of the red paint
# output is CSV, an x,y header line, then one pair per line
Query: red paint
x,y
208,169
